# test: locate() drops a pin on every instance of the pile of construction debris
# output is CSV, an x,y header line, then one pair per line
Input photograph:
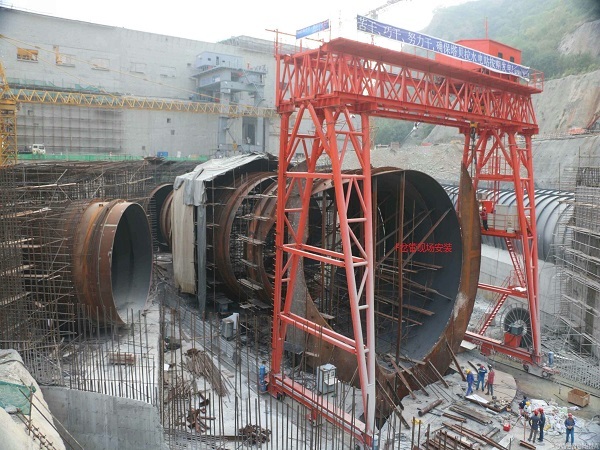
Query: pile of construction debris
x,y
255,435
555,421
200,364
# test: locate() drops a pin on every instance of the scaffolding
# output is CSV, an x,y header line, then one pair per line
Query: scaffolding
x,y
62,342
573,330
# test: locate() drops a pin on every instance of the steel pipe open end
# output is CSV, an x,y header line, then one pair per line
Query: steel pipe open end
x,y
112,259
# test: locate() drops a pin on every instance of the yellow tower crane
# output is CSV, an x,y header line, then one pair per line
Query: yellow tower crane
x,y
8,123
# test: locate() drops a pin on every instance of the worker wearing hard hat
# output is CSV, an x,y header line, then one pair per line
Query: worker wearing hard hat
x,y
570,428
490,381
528,410
542,424
470,380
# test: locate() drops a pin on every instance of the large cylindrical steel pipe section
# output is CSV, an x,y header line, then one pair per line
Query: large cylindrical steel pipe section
x,y
234,212
427,258
158,209
111,257
426,273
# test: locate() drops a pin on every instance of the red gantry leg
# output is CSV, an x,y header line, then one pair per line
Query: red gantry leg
x,y
499,162
334,136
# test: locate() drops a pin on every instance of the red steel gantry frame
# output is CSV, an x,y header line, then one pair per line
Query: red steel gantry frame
x,y
329,86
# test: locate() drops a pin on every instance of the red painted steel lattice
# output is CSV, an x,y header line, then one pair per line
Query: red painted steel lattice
x,y
329,85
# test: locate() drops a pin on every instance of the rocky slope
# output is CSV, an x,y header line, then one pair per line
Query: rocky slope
x,y
568,103
583,40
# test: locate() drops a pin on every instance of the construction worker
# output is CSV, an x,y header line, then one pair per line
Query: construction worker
x,y
527,411
570,427
470,380
490,380
522,405
542,424
534,422
481,372
484,218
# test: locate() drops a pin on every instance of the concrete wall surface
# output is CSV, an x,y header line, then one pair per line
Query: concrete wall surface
x,y
100,421
13,430
82,56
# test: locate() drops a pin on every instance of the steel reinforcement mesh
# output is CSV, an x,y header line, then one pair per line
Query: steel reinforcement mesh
x,y
39,315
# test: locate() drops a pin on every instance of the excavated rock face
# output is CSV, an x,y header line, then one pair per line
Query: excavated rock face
x,y
583,40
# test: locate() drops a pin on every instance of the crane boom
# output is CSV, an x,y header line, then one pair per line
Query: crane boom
x,y
8,123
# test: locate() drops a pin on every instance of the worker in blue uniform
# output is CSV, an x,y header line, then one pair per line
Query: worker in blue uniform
x,y
481,373
470,380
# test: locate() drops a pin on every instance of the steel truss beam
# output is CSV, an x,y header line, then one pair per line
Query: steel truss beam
x,y
403,86
8,124
117,101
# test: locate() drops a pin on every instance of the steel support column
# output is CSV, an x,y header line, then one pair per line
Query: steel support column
x,y
334,137
497,160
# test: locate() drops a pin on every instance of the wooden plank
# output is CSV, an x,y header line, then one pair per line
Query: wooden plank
x,y
460,429
453,417
16,270
391,404
121,358
414,361
423,311
421,385
387,316
401,375
475,368
456,362
410,371
439,375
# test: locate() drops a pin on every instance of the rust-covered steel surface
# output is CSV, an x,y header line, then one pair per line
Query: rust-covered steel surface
x,y
232,217
164,219
455,323
429,290
158,204
111,256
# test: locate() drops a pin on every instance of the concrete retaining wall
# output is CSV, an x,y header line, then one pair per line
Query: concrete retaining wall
x,y
100,421
496,266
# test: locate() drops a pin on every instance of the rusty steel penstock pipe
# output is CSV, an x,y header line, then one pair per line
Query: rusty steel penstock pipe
x,y
164,232
111,253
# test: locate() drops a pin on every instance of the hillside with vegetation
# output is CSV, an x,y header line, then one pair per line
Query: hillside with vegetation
x,y
536,27
546,31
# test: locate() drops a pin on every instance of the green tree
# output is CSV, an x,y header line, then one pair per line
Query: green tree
x,y
536,27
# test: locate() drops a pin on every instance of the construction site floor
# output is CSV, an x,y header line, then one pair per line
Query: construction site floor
x,y
511,384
